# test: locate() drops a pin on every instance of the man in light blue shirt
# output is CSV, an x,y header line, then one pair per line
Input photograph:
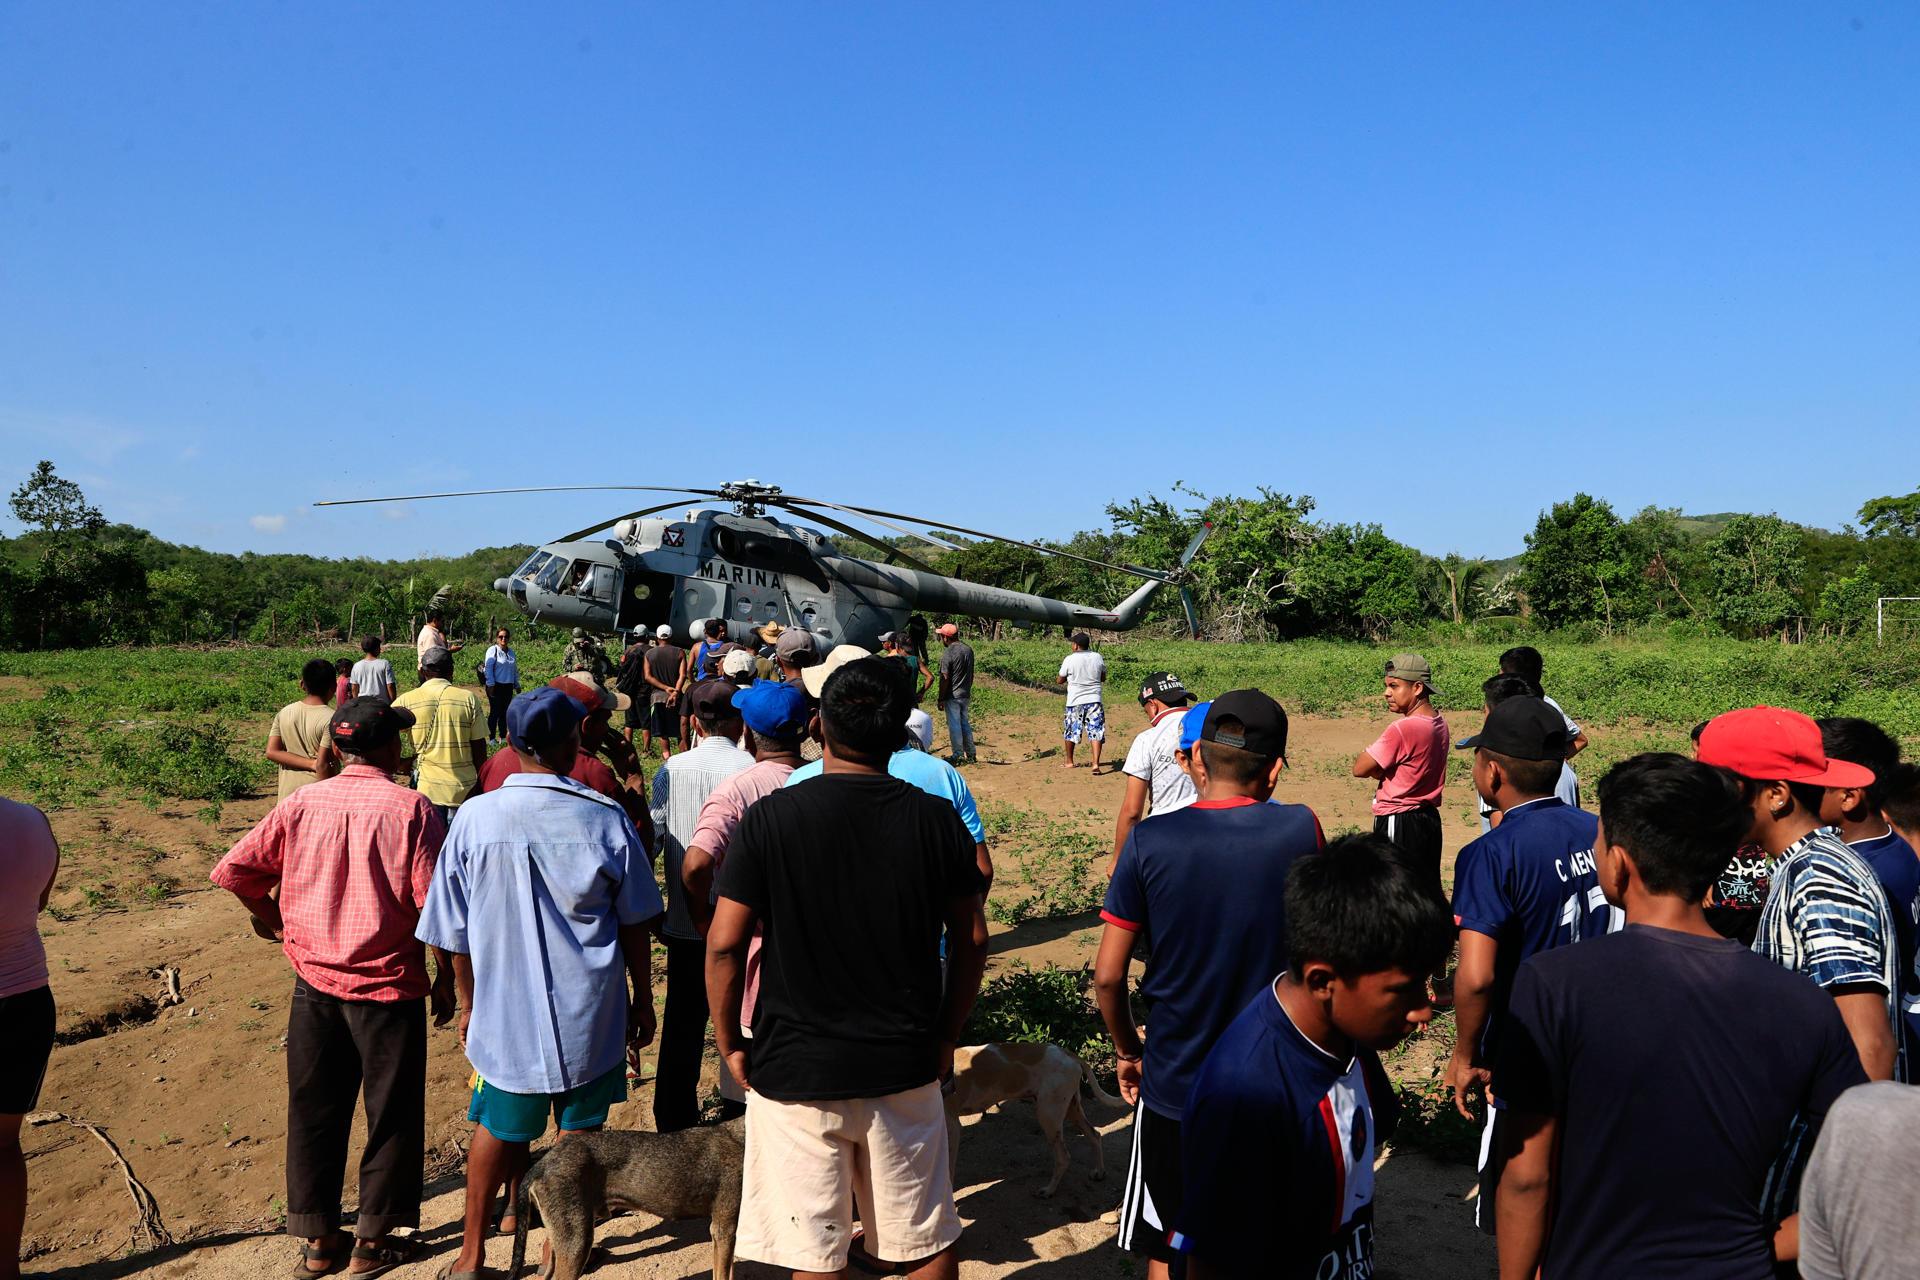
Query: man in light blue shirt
x,y
541,905
935,777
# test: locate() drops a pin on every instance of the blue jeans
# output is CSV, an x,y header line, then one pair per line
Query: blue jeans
x,y
959,727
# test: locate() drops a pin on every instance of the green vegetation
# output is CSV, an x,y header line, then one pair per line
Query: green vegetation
x,y
1039,1006
1668,679
1270,571
1048,865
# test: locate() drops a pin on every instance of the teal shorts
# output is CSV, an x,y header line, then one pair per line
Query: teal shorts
x,y
522,1117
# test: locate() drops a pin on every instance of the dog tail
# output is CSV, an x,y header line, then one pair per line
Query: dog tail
x,y
1093,1082
522,1202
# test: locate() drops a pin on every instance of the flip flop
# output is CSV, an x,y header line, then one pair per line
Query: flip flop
x,y
448,1273
388,1254
335,1258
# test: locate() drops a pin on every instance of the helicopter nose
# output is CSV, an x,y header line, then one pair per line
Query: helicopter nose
x,y
502,585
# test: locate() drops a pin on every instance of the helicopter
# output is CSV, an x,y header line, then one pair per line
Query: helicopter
x,y
638,572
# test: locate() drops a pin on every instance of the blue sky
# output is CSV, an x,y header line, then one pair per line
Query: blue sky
x,y
1437,266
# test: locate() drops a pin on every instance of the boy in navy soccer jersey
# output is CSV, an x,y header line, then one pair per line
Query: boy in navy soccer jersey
x,y
1526,886
1209,883
1278,1142
1652,1077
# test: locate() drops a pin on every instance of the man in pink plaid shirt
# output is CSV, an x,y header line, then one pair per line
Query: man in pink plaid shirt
x,y
352,858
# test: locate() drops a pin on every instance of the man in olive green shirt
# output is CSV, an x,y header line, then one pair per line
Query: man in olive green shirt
x,y
449,734
299,742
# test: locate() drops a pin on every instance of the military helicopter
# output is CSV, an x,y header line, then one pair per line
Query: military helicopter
x,y
639,571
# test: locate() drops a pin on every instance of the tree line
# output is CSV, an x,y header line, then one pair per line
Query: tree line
x,y
1270,571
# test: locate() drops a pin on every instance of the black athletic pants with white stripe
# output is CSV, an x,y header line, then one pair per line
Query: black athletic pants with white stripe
x,y
1416,834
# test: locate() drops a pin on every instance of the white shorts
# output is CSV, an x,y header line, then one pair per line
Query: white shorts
x,y
809,1163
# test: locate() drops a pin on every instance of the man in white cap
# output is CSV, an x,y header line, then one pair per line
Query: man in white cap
x,y
661,671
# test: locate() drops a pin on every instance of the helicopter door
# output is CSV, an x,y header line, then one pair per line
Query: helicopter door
x,y
647,600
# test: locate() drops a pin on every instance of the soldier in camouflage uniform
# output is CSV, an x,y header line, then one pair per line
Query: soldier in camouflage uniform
x,y
585,654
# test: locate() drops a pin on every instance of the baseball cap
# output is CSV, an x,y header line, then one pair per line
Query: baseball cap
x,y
1771,744
360,725
663,631
815,677
1165,686
737,663
1191,724
947,630
888,637
541,717
1412,668
920,725
434,657
1524,728
592,697
791,644
773,708
711,699
1262,727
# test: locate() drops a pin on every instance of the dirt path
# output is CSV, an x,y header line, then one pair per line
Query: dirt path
x,y
195,1094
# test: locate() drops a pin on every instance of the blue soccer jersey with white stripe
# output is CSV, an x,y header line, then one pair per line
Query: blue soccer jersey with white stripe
x,y
1277,1151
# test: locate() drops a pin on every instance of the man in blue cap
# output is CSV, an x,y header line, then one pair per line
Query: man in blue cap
x,y
541,905
778,713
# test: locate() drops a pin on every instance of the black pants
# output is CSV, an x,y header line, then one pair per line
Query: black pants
x,y
683,1037
1416,833
498,696
334,1047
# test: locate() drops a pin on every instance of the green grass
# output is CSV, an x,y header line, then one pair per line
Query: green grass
x,y
1667,681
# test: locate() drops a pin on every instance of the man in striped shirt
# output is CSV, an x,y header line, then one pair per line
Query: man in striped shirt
x,y
352,857
1826,915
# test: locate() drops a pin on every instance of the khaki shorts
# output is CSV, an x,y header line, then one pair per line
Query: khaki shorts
x,y
810,1163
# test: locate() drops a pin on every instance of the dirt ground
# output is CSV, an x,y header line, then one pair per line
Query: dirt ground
x,y
194,1094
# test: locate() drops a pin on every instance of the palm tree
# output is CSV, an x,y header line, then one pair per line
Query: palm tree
x,y
1462,576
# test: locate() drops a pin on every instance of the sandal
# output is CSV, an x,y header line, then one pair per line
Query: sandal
x,y
448,1273
387,1254
335,1258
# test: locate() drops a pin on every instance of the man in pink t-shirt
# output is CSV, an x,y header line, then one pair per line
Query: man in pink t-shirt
x,y
778,714
1409,759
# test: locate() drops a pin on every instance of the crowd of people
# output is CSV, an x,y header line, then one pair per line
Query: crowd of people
x,y
1667,1009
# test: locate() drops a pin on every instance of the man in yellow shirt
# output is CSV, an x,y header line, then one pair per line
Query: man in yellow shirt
x,y
449,734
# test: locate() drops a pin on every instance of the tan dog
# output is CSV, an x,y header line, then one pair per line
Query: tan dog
x,y
986,1074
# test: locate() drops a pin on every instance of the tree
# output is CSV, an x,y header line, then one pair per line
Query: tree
x,y
1754,567
51,504
1462,576
1847,602
1664,556
1890,517
1356,580
1576,567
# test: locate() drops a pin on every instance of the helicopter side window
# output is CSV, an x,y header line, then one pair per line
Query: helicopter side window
x,y
595,581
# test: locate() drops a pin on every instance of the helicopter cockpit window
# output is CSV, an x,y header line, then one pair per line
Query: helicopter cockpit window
x,y
552,574
534,563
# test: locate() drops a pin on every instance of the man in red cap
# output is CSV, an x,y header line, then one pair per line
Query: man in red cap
x,y
1825,915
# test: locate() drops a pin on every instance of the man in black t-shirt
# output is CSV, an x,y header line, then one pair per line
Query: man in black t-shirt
x,y
852,877
1646,1102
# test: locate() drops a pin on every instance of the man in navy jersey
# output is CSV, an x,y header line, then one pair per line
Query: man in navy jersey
x,y
1856,813
1525,887
1209,882
1652,1076
1280,1131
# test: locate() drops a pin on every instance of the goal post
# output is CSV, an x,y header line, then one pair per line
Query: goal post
x,y
1882,615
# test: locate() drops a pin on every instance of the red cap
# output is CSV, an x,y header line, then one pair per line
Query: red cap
x,y
1769,744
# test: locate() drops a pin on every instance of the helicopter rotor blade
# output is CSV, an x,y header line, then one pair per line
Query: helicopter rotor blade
x,y
578,534
942,543
550,488
1137,571
841,526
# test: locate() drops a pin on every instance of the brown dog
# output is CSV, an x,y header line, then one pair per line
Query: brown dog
x,y
986,1074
